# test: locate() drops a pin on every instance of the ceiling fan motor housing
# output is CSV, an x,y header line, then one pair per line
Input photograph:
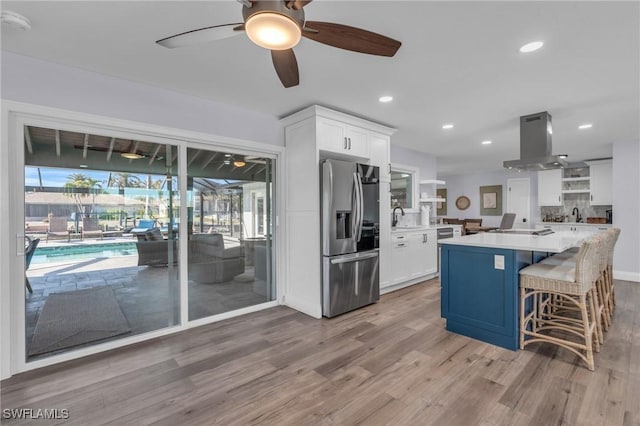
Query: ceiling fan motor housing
x,y
276,7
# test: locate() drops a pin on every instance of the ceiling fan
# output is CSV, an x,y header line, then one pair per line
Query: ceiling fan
x,y
278,26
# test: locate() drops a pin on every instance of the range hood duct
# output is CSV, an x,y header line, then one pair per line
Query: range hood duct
x,y
535,145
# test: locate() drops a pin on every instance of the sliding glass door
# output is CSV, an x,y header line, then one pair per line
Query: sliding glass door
x,y
230,241
105,223
101,254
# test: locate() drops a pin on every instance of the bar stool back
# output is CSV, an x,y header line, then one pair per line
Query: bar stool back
x,y
573,329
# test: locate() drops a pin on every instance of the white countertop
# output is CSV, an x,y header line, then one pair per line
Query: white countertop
x,y
553,243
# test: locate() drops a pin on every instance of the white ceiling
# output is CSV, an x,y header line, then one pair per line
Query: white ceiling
x,y
459,63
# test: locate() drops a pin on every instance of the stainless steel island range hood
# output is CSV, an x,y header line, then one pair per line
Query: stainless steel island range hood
x,y
535,145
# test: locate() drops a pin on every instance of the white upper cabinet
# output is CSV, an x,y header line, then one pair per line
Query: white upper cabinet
x,y
601,183
550,187
341,138
379,153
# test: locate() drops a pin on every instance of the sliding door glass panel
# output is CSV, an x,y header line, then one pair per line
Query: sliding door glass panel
x,y
230,200
101,259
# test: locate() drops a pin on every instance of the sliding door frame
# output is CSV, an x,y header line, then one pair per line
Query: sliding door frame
x,y
15,116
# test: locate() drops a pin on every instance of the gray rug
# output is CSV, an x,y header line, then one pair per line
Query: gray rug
x,y
76,317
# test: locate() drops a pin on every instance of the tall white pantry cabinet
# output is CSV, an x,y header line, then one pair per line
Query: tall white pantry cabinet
x,y
311,135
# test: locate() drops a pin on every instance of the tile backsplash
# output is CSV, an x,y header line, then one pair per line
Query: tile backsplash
x,y
581,201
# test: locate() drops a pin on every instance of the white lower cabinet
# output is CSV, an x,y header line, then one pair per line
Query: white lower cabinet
x,y
414,255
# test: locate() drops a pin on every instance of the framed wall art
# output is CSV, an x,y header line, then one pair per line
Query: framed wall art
x,y
463,202
491,200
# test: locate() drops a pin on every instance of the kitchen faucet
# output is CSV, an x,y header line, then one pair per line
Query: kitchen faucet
x,y
577,213
395,217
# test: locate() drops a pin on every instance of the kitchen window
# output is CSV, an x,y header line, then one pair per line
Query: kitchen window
x,y
404,190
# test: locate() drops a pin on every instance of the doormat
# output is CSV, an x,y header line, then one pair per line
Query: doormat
x,y
76,317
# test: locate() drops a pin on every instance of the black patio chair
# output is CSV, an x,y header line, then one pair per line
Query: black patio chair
x,y
28,255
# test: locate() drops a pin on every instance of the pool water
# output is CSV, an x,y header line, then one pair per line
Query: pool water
x,y
62,254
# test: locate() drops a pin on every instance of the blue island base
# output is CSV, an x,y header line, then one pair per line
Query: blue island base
x,y
479,296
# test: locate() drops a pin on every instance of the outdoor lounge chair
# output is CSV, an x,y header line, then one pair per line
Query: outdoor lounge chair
x,y
28,255
209,260
91,227
214,260
58,228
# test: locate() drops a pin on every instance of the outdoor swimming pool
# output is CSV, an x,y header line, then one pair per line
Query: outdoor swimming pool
x,y
64,254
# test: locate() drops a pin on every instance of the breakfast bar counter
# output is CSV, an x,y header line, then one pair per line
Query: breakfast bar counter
x,y
479,277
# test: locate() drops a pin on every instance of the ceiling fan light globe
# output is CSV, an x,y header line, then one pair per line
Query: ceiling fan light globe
x,y
273,31
131,155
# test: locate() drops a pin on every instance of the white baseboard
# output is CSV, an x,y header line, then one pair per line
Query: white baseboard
x,y
407,283
627,276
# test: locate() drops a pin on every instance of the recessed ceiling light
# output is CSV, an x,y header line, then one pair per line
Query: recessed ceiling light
x,y
239,163
227,155
585,126
530,47
83,166
486,142
447,126
563,156
385,99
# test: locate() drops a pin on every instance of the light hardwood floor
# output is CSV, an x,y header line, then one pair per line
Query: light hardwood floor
x,y
389,363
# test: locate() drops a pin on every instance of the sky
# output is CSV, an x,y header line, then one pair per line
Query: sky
x,y
58,177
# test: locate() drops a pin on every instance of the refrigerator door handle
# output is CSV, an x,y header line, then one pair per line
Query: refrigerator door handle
x,y
328,194
353,258
355,221
361,205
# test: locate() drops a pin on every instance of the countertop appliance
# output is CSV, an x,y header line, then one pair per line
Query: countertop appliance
x,y
350,233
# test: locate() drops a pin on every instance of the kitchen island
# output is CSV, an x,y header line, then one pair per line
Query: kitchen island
x,y
479,277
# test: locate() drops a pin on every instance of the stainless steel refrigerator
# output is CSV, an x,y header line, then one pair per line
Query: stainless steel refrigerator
x,y
350,229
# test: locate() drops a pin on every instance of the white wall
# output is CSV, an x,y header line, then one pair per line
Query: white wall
x,y
34,81
426,165
626,209
425,162
38,82
469,186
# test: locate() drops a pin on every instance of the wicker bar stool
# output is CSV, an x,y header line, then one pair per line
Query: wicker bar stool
x,y
615,233
601,288
573,286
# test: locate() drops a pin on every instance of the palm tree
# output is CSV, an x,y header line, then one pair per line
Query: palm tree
x,y
80,186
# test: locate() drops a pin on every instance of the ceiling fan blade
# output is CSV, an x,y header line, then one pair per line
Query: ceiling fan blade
x,y
297,4
286,66
202,35
351,38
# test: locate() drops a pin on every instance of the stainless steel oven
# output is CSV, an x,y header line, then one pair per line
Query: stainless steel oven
x,y
442,234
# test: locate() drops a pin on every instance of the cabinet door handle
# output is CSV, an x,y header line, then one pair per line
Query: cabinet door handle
x,y
401,245
345,142
592,197
400,238
349,144
559,197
